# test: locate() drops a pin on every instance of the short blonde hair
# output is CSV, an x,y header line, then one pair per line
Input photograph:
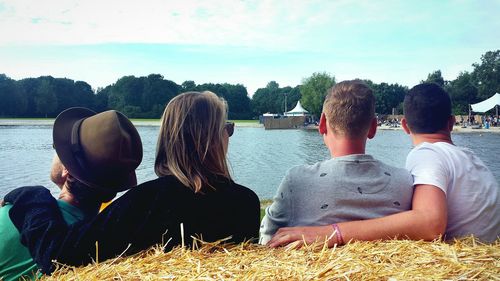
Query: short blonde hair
x,y
349,108
191,141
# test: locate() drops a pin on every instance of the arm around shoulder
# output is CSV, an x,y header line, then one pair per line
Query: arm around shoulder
x,y
36,215
425,221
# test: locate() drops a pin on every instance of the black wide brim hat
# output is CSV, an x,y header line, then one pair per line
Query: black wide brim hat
x,y
101,150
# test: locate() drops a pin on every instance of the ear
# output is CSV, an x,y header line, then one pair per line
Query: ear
x,y
451,122
322,124
373,128
404,124
64,174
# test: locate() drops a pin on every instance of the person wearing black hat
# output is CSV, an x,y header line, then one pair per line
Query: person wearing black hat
x,y
96,157
194,197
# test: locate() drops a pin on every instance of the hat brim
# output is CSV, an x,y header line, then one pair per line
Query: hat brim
x,y
61,134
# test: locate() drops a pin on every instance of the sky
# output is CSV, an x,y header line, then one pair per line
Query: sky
x,y
245,42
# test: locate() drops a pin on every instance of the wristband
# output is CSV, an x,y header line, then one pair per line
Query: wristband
x,y
338,234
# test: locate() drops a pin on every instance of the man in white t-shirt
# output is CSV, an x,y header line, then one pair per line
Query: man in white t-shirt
x,y
470,189
455,194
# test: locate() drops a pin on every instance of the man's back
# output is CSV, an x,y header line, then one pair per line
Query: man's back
x,y
352,187
472,193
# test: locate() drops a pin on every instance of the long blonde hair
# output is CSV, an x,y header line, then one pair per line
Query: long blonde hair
x,y
191,143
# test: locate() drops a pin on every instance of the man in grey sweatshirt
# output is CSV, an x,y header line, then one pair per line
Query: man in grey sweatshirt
x,y
351,185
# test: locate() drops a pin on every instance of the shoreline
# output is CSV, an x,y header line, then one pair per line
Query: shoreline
x,y
456,129
136,122
152,123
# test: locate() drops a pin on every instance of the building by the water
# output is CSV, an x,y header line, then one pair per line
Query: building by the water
x,y
296,118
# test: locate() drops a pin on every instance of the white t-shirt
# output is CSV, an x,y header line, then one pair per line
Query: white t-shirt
x,y
472,193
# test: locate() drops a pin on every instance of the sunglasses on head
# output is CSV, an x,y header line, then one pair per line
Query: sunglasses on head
x,y
229,127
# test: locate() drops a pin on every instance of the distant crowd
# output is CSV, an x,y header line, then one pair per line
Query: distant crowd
x,y
443,192
478,121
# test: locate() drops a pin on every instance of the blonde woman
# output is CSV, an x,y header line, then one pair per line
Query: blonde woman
x,y
194,196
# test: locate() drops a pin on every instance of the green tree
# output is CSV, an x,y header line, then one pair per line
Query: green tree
x,y
275,97
463,92
156,93
125,92
238,102
45,99
64,91
314,90
272,99
435,77
101,99
273,86
70,93
486,75
188,86
259,102
28,88
236,97
268,99
388,96
140,97
292,97
13,102
83,94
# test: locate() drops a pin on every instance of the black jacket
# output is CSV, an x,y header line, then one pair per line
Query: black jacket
x,y
149,214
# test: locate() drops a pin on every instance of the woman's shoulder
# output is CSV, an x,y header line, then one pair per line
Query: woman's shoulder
x,y
171,185
239,187
222,186
243,191
159,185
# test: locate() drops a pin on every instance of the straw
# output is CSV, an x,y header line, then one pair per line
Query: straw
x,y
464,259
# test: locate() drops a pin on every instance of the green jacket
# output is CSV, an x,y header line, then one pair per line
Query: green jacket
x,y
15,259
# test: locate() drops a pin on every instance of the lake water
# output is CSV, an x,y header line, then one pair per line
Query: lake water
x,y
258,158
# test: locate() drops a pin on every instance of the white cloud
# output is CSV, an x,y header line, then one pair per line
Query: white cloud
x,y
389,40
214,22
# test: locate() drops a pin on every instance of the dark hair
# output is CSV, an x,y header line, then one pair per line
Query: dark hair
x,y
88,197
427,108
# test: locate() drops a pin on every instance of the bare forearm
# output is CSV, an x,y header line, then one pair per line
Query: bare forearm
x,y
426,221
411,224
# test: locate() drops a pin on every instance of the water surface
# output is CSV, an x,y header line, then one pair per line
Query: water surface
x,y
258,158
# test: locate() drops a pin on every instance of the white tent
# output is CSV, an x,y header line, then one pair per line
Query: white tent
x,y
297,111
486,104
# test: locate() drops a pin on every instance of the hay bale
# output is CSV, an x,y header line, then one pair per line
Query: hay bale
x,y
464,259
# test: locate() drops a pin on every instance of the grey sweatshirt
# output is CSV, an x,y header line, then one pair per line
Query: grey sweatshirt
x,y
352,187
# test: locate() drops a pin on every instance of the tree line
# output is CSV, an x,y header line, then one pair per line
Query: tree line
x,y
146,97
136,97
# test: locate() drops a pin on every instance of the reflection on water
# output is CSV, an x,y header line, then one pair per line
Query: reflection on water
x,y
258,158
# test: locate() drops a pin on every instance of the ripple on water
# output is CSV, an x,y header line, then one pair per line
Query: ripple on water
x,y
258,158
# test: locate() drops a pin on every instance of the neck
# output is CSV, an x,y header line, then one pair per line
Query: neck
x,y
87,207
440,136
342,146
66,196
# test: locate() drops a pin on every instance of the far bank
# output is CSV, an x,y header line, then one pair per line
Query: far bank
x,y
136,122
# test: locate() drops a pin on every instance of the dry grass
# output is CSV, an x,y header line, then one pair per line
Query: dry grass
x,y
464,259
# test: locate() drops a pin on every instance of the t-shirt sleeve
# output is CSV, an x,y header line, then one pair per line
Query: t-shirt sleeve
x,y
278,214
427,166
